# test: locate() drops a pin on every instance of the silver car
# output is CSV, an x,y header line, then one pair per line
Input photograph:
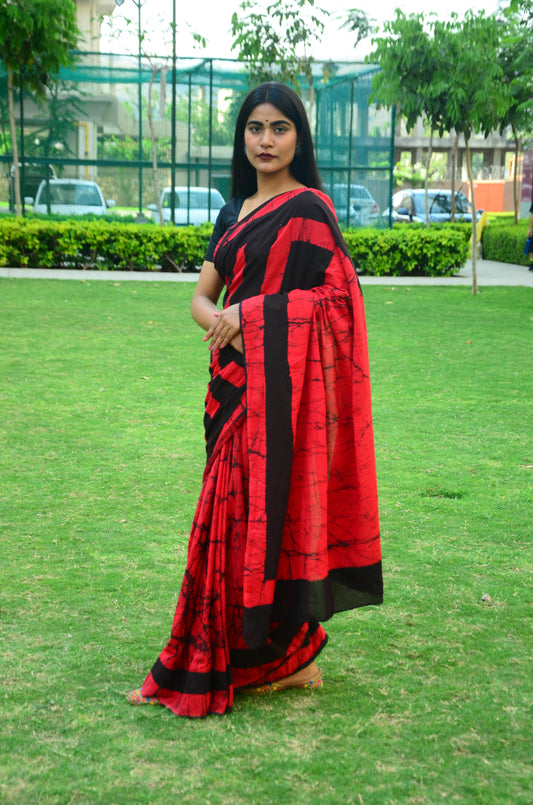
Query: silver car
x,y
70,197
192,205
410,206
354,205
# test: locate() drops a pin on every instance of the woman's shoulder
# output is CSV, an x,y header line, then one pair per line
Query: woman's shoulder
x,y
313,201
230,211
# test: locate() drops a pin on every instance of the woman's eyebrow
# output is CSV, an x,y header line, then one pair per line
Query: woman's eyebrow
x,y
272,123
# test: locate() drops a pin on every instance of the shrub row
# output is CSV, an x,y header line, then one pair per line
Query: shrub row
x,y
101,245
134,247
406,250
505,241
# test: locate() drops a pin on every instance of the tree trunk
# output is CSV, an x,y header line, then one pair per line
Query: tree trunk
x,y
474,222
16,172
516,200
155,71
454,171
426,180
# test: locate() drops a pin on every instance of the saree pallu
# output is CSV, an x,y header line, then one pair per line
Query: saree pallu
x,y
286,530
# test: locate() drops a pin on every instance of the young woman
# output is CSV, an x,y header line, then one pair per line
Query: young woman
x,y
286,529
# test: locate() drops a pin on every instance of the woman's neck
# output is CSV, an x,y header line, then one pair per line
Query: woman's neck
x,y
270,186
268,189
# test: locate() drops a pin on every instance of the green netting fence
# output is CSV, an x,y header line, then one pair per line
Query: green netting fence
x,y
108,113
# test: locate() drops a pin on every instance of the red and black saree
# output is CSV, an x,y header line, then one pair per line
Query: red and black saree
x,y
286,529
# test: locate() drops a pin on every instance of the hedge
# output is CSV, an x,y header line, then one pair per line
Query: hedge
x,y
101,245
505,242
406,250
134,247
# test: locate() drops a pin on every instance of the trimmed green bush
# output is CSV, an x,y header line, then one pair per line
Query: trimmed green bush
x,y
110,246
101,245
408,250
505,241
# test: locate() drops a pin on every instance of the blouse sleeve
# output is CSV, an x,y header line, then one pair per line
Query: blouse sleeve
x,y
227,216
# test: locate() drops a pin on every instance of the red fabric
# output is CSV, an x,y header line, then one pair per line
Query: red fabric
x,y
286,528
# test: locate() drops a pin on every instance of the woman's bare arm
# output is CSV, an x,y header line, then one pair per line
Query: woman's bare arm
x,y
206,295
223,326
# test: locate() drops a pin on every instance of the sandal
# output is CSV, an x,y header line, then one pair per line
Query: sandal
x,y
275,687
135,697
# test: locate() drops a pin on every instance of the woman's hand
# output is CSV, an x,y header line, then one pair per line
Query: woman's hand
x,y
226,329
237,343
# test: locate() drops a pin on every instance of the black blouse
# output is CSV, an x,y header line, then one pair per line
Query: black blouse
x,y
227,216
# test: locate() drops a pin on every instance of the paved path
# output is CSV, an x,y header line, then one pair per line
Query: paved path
x,y
489,273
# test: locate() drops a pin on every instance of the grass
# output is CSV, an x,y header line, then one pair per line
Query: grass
x,y
426,697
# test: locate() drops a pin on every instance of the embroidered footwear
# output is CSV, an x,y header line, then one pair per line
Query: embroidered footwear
x,y
134,697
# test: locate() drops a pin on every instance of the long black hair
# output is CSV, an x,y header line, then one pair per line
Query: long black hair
x,y
303,166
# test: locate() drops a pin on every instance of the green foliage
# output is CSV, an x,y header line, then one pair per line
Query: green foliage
x,y
197,115
406,250
415,175
446,72
358,23
97,244
407,66
478,98
101,245
505,242
274,42
65,108
113,147
36,39
515,58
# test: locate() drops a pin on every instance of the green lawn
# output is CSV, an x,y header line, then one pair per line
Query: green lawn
x,y
101,454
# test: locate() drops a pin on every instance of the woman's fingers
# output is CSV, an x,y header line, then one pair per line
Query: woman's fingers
x,y
225,328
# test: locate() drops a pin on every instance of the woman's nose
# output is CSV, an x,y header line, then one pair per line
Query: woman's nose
x,y
266,137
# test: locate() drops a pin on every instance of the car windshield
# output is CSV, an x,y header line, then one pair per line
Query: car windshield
x,y
71,194
340,194
441,203
198,199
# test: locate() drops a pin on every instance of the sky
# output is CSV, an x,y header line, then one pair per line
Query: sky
x,y
212,19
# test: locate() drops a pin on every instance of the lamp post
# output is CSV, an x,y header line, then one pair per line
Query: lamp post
x,y
139,4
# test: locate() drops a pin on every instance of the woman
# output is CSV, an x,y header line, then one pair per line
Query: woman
x,y
286,528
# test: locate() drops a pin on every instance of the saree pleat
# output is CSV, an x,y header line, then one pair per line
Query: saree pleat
x,y
193,675
286,528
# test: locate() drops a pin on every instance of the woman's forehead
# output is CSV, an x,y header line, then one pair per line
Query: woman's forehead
x,y
267,113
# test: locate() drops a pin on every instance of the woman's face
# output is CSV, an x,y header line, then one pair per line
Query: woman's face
x,y
270,139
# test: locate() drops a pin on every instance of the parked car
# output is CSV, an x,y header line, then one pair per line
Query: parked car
x,y
192,205
363,209
70,197
33,176
409,205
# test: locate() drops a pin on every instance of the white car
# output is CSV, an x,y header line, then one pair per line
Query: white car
x,y
192,205
70,197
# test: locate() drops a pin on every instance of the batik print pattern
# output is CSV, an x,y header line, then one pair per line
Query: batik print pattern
x,y
286,530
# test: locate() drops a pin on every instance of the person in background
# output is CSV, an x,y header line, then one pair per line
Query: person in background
x,y
286,531
530,235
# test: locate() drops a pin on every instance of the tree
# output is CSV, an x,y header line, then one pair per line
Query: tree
x,y
452,78
412,78
36,39
358,23
275,42
477,98
515,58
